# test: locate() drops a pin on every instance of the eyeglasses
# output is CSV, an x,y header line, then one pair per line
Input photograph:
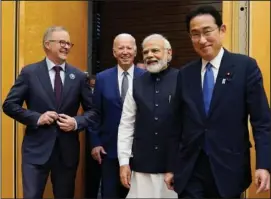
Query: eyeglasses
x,y
206,33
63,43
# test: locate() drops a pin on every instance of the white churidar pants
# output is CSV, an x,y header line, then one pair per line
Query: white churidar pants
x,y
145,185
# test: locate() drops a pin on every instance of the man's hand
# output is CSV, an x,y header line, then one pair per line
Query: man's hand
x,y
125,175
169,180
96,153
262,180
66,123
48,117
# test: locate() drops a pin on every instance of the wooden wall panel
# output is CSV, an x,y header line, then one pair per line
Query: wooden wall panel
x,y
7,78
259,48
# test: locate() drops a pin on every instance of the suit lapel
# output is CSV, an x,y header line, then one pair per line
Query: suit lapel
x,y
226,67
136,72
115,81
68,83
44,78
196,87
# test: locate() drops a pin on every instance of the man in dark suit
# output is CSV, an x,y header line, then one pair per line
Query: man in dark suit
x,y
217,95
110,90
53,91
92,167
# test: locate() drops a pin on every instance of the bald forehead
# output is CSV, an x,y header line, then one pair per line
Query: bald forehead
x,y
158,42
124,38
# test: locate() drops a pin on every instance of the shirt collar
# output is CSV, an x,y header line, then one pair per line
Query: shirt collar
x,y
215,62
130,71
51,64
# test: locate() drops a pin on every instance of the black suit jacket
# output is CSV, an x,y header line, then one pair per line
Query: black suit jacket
x,y
237,97
33,86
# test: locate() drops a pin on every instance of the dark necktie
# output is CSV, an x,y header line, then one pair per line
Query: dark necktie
x,y
124,85
58,84
208,87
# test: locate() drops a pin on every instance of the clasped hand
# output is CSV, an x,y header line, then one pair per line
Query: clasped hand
x,y
65,122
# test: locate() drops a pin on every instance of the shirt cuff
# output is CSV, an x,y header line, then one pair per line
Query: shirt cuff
x,y
75,124
124,161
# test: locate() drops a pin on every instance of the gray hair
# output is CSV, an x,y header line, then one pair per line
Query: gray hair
x,y
50,30
125,35
157,36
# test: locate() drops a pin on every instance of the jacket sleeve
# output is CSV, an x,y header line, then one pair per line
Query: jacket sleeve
x,y
94,131
12,105
174,139
89,115
259,112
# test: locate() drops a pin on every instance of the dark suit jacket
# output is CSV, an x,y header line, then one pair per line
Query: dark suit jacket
x,y
33,86
109,103
242,97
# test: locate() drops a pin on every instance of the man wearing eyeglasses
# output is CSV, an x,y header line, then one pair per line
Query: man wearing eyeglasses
x,y
53,91
217,95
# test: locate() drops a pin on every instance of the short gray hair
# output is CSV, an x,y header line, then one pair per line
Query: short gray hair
x,y
50,30
125,35
157,36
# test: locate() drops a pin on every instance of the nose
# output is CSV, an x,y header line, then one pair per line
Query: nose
x,y
202,39
149,54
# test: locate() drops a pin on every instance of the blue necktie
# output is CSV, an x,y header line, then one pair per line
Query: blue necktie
x,y
208,87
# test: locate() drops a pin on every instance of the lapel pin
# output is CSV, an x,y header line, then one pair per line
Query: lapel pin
x,y
72,76
223,81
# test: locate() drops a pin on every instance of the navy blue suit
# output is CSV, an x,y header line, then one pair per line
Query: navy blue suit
x,y
46,147
92,168
225,129
108,101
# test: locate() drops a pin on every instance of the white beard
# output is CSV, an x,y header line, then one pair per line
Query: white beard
x,y
158,67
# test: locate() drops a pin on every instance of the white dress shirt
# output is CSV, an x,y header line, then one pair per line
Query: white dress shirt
x,y
130,77
126,129
52,72
215,65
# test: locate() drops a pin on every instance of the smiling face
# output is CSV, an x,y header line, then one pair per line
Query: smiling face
x,y
155,55
124,50
206,36
57,46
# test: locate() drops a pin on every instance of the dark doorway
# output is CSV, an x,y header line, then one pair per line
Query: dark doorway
x,y
140,19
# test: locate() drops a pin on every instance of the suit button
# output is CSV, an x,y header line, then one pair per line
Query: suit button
x,y
156,133
156,147
156,118
156,105
158,79
157,91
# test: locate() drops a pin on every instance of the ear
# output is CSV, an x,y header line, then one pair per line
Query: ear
x,y
223,28
47,45
114,53
169,52
135,52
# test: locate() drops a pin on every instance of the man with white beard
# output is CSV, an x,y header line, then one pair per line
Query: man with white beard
x,y
146,123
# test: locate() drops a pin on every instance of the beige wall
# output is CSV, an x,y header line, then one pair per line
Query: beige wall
x,y
7,78
259,48
34,18
259,42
